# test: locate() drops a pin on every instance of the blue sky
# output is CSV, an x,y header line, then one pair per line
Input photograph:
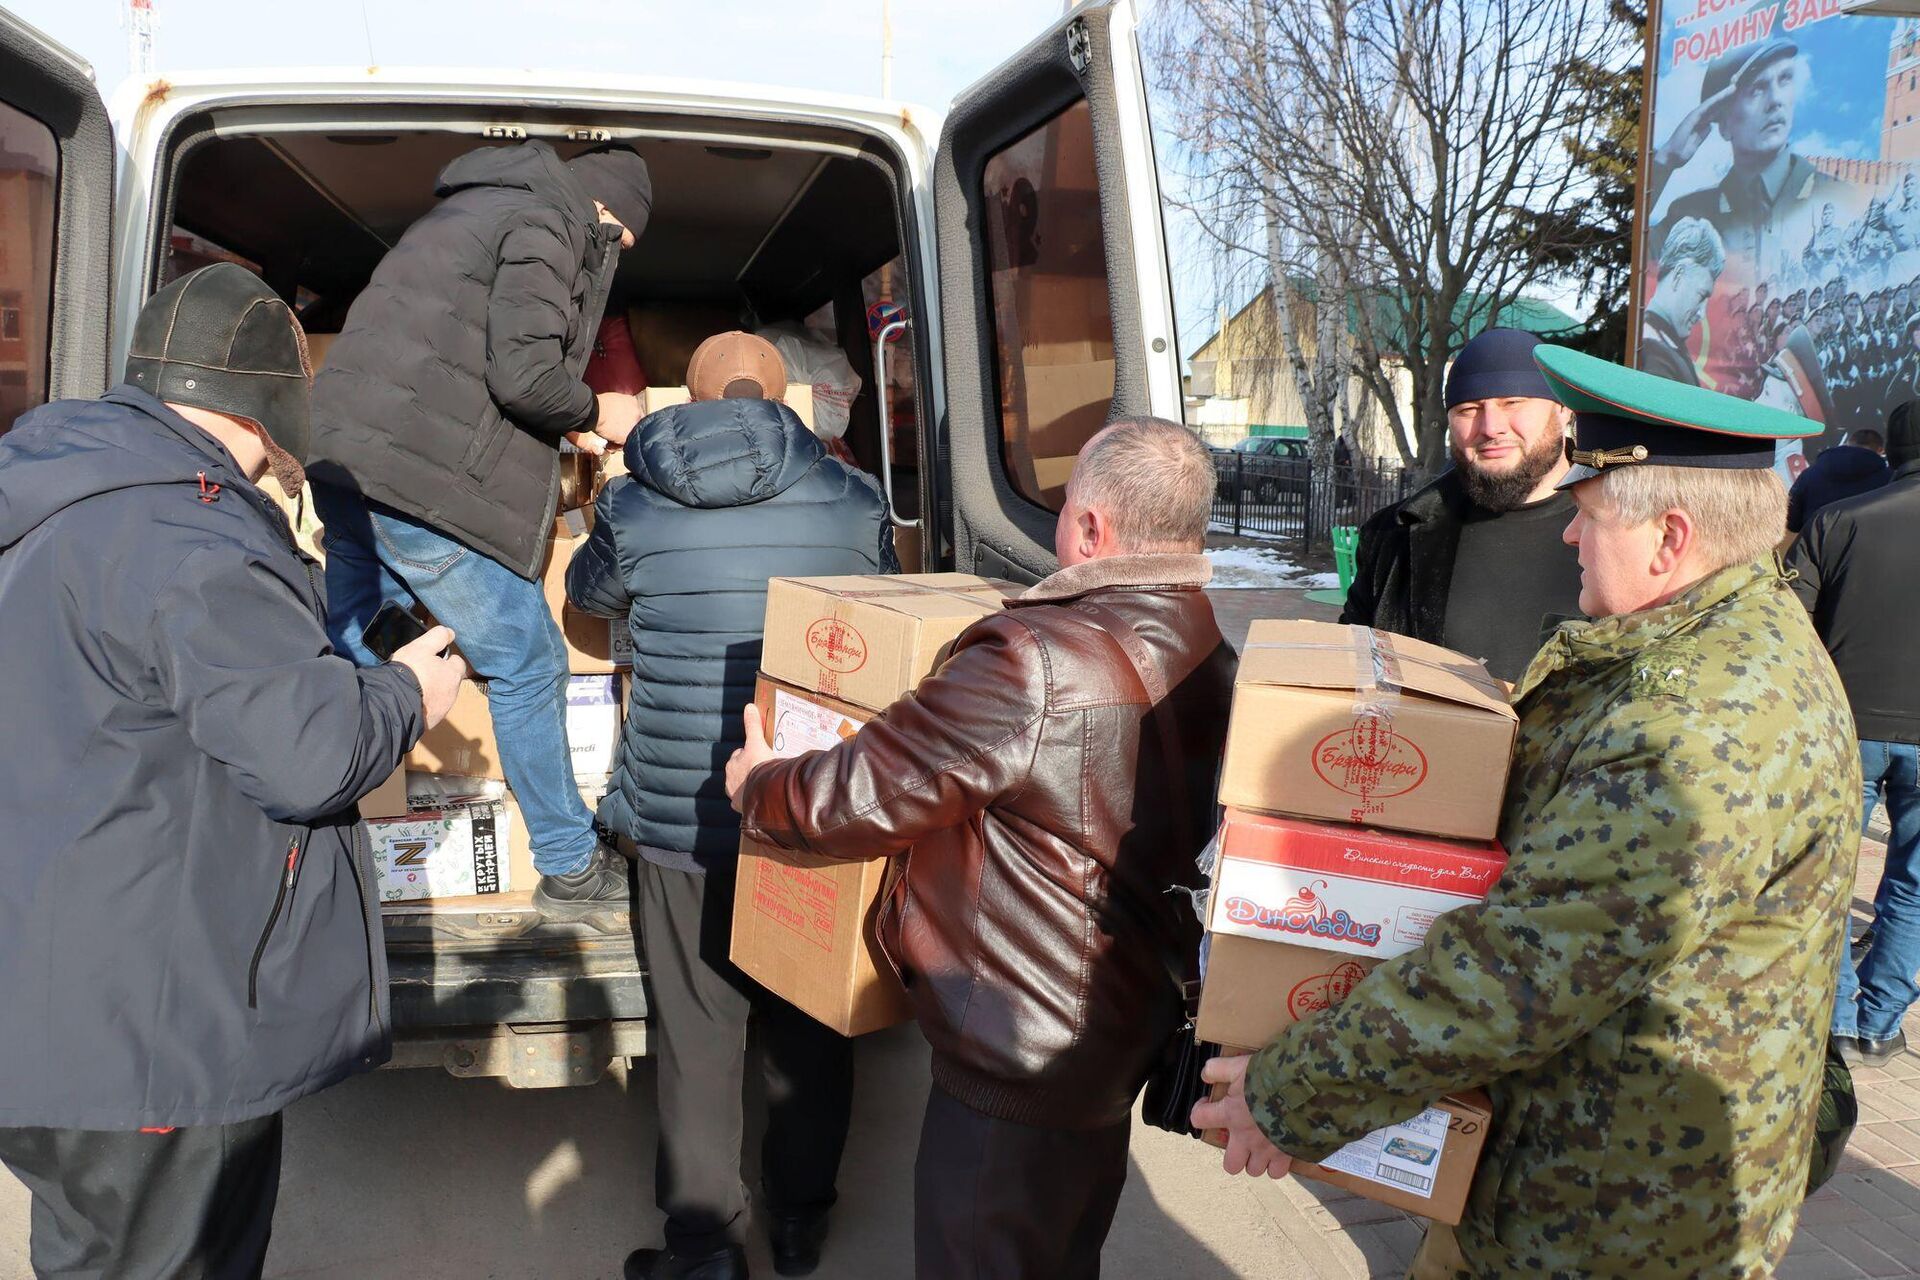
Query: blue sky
x,y
940,47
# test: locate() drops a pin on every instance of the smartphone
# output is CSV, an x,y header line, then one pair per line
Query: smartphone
x,y
393,628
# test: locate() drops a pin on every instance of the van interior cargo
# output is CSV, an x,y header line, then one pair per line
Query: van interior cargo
x,y
744,233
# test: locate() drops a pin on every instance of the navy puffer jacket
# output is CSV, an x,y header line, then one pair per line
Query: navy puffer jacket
x,y
721,496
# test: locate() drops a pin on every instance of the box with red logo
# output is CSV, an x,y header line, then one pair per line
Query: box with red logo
x,y
868,639
804,926
1356,725
1300,911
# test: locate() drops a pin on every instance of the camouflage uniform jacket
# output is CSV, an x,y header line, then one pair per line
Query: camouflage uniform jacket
x,y
1646,992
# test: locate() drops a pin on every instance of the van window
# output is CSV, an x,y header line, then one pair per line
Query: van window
x,y
29,200
1052,324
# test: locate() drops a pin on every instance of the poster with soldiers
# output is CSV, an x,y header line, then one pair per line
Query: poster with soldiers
x,y
1780,211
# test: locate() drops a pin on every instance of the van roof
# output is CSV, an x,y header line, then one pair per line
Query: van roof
x,y
572,89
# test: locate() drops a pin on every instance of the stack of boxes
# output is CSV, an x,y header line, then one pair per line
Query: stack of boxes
x,y
1363,779
837,651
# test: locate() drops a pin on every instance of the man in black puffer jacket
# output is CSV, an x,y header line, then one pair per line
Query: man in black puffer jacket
x,y
189,926
1843,471
437,429
722,494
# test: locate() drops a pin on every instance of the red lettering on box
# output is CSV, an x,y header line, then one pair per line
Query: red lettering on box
x,y
1323,990
836,645
1369,760
801,901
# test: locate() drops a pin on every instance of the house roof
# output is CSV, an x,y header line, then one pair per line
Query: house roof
x,y
1532,314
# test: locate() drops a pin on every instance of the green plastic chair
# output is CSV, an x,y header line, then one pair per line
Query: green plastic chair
x,y
1346,548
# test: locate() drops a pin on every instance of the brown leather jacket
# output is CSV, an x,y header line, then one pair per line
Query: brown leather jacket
x,y
1026,783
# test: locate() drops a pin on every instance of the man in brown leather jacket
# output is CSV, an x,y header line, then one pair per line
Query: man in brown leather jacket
x,y
1051,786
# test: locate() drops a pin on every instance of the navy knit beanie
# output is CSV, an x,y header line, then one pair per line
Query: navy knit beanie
x,y
1496,364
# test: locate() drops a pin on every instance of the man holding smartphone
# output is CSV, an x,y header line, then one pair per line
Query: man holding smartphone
x,y
189,928
437,428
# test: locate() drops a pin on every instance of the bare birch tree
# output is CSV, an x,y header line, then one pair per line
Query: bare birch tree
x,y
1383,164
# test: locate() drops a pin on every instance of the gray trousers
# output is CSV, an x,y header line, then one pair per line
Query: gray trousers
x,y
700,1008
187,1204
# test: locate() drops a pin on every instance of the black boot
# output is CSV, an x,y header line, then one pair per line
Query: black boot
x,y
601,885
664,1264
797,1243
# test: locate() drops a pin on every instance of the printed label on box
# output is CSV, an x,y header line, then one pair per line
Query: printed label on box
x,y
1370,760
1374,912
593,724
837,645
800,726
1401,1155
441,855
1323,990
800,900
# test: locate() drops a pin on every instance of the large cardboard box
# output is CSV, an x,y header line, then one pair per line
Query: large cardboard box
x,y
463,744
451,853
1254,988
1300,911
803,926
595,646
1357,725
870,638
1423,1165
389,799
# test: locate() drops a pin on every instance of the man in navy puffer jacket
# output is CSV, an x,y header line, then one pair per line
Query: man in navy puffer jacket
x,y
722,494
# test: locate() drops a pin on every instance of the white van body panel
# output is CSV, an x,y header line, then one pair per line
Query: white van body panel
x,y
144,112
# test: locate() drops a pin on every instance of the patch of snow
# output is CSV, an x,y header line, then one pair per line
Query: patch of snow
x,y
1257,568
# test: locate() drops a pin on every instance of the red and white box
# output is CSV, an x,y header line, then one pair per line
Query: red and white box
x,y
1291,898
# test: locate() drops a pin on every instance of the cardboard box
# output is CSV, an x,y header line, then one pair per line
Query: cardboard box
x,y
454,853
868,639
593,725
1254,988
1424,1165
1356,725
1300,911
463,744
804,926
595,646
389,799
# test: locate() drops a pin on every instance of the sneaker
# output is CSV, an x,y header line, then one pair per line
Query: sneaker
x,y
797,1243
598,886
664,1264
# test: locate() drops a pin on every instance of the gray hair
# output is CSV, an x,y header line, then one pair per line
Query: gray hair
x,y
1693,242
1739,514
1152,479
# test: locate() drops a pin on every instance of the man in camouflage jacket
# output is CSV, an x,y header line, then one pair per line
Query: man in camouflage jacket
x,y
1645,992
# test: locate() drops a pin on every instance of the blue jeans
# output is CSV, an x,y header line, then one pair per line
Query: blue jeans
x,y
504,628
1873,1000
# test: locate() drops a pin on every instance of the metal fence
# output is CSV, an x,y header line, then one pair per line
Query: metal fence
x,y
1292,499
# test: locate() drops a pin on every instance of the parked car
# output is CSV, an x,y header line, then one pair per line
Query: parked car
x,y
1270,469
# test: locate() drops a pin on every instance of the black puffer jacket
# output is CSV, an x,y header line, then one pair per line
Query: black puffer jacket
x,y
1844,471
721,496
189,933
458,371
1403,568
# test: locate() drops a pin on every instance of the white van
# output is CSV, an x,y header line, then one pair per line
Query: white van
x,y
1004,274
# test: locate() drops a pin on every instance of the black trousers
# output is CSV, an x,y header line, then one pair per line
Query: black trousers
x,y
995,1200
701,1005
190,1204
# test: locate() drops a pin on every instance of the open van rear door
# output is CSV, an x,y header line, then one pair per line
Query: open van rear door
x,y
56,207
1057,312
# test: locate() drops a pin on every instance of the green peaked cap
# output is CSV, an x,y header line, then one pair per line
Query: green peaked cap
x,y
1623,416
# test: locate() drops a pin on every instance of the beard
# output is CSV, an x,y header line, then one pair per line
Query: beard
x,y
285,467
1510,490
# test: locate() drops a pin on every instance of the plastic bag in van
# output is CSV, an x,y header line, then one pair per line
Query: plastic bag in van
x,y
812,360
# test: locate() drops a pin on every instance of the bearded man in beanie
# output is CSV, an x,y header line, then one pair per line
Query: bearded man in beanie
x,y
189,934
1474,560
1645,994
437,430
